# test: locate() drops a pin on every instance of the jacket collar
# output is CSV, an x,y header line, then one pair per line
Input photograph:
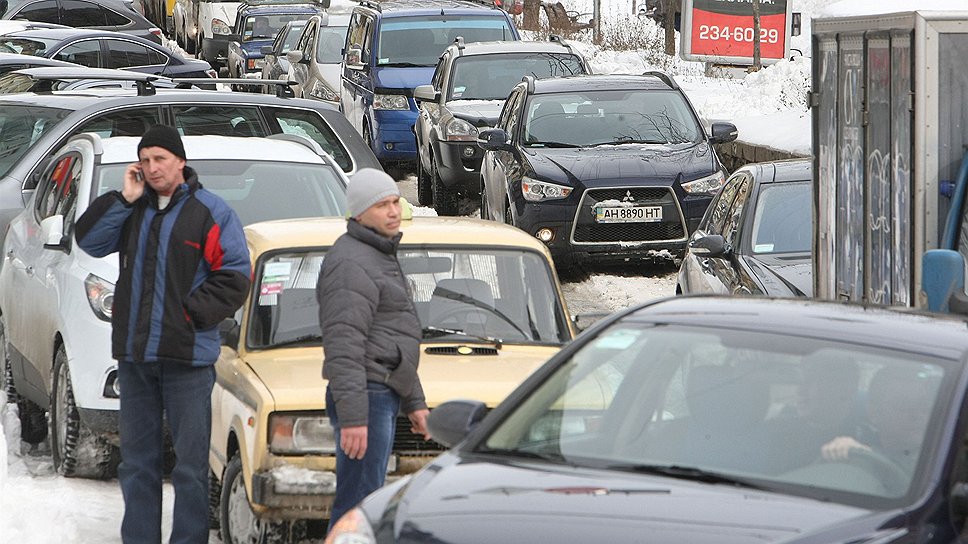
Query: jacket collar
x,y
373,238
190,186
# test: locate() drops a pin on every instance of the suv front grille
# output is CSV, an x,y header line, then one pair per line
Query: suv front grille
x,y
671,228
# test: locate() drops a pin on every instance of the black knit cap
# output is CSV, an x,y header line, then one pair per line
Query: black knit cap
x,y
163,136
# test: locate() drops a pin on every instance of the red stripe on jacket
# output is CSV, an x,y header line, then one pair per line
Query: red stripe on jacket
x,y
213,248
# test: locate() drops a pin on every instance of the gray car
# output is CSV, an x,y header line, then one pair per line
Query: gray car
x,y
276,64
119,15
314,63
34,125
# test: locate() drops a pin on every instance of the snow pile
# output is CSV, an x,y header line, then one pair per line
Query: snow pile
x,y
846,8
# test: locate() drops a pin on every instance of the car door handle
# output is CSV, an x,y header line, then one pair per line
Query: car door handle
x,y
29,270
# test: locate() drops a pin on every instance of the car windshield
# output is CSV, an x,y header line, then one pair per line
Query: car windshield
x,y
255,190
739,406
466,295
782,221
20,127
419,41
265,27
26,46
329,49
491,77
610,117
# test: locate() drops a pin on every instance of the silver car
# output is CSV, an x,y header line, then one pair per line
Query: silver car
x,y
314,63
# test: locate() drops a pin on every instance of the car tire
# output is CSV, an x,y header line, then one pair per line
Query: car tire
x,y
76,449
33,418
239,524
445,201
425,192
214,494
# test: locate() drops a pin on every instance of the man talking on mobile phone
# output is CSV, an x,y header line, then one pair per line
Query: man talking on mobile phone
x,y
184,267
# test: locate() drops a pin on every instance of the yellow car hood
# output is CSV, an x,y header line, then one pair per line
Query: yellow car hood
x,y
294,376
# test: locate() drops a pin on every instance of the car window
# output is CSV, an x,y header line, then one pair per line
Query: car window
x,y
20,127
219,120
717,217
127,122
437,80
306,39
43,12
57,193
288,40
358,36
85,53
329,46
125,54
311,125
24,46
80,14
491,77
734,216
419,40
112,18
782,219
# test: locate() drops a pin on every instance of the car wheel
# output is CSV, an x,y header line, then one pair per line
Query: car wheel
x,y
239,523
425,194
445,200
214,493
76,449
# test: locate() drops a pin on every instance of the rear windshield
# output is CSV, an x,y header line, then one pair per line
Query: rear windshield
x,y
26,46
21,127
419,41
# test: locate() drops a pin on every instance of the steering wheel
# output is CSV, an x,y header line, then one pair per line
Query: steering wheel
x,y
894,478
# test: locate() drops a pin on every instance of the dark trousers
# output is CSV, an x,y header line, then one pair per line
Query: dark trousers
x,y
183,394
357,478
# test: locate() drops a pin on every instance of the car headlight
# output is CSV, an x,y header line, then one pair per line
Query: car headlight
x,y
100,295
708,185
459,130
390,102
537,191
351,528
301,433
255,64
322,91
220,27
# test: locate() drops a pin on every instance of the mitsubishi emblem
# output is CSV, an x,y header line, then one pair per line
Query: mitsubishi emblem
x,y
628,197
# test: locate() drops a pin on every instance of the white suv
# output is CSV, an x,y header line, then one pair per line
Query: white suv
x,y
55,300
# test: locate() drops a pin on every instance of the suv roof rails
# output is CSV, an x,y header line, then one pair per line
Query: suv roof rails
x,y
142,81
283,86
322,3
666,78
459,41
529,79
566,43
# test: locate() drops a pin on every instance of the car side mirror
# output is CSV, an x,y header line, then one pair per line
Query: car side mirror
x,y
52,229
494,139
295,56
722,133
324,4
796,23
354,58
453,420
943,281
266,50
234,38
426,93
711,245
229,331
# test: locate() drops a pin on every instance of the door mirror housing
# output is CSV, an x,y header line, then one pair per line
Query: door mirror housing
x,y
453,420
494,139
711,245
295,56
266,50
425,93
53,231
722,133
354,58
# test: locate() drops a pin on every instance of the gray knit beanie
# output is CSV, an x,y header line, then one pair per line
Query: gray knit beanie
x,y
367,187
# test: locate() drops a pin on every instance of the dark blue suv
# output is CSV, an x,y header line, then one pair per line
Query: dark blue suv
x,y
392,47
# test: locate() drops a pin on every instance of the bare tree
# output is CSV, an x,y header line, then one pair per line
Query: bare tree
x,y
669,8
757,63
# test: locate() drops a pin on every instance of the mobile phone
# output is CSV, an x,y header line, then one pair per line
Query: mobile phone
x,y
139,176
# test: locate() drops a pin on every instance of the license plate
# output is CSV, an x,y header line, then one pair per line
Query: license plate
x,y
628,214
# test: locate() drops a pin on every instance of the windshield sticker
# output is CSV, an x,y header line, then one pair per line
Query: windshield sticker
x,y
617,339
273,288
276,272
384,60
762,248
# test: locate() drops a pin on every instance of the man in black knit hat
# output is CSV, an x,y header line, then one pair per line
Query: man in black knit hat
x,y
184,267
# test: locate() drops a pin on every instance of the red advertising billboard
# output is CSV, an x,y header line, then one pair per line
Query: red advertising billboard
x,y
722,30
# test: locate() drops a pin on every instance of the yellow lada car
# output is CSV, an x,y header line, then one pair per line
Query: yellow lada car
x,y
491,310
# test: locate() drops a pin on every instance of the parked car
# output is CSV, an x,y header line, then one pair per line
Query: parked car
x,y
256,27
701,419
466,95
393,47
103,49
114,15
276,65
314,62
491,309
34,125
58,347
73,77
10,62
601,167
756,236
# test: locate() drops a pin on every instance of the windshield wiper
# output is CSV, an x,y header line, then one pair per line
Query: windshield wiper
x,y
443,292
298,340
628,141
432,332
686,473
404,65
553,144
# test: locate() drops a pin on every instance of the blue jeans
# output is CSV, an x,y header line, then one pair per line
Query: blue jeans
x,y
357,478
183,394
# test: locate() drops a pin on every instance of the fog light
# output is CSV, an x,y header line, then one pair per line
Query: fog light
x,y
545,235
468,152
388,146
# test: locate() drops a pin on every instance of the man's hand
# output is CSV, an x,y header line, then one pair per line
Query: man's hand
x,y
134,183
839,448
352,440
418,422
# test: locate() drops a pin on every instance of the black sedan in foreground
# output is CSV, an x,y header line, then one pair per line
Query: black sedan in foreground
x,y
103,49
756,235
607,167
739,420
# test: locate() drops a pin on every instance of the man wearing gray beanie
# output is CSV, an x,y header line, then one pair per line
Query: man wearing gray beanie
x,y
371,339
